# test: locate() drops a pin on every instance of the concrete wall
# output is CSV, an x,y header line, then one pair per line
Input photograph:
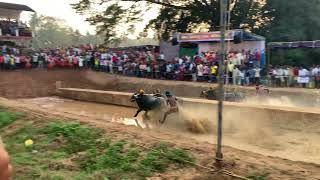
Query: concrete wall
x,y
275,116
37,83
301,97
106,97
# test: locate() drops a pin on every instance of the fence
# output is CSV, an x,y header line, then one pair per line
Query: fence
x,y
271,81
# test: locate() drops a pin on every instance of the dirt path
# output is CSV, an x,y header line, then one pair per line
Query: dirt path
x,y
286,135
240,162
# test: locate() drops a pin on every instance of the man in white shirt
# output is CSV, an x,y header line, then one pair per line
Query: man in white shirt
x,y
200,70
279,76
35,60
240,58
17,61
80,61
236,76
180,61
285,75
303,77
314,71
257,75
161,56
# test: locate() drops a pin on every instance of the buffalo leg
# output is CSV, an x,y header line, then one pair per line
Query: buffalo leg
x,y
146,114
139,110
164,117
173,110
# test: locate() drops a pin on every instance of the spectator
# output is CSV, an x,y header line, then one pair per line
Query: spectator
x,y
317,78
243,67
1,62
236,76
214,73
257,72
200,70
230,70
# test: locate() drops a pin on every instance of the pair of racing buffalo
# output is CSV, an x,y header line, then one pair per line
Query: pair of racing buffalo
x,y
163,104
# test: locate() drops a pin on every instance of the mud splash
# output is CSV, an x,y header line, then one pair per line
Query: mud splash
x,y
284,101
294,139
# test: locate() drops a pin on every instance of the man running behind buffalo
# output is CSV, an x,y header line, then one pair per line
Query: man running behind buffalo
x,y
172,102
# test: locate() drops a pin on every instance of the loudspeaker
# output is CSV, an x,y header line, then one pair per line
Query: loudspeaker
x,y
174,41
238,38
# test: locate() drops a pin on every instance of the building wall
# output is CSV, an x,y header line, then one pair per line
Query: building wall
x,y
168,50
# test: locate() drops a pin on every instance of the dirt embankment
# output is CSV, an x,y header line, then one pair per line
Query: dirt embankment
x,y
39,83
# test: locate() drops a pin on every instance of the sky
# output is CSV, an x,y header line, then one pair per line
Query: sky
x,y
56,8
63,10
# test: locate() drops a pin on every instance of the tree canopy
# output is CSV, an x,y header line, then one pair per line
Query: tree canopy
x,y
277,20
173,16
294,20
53,32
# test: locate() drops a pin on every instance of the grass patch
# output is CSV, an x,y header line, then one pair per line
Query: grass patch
x,y
72,151
7,117
133,161
74,137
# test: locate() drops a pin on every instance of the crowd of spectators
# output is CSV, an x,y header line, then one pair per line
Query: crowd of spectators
x,y
14,28
243,68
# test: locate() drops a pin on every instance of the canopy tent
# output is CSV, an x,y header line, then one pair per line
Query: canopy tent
x,y
293,45
12,11
190,44
231,35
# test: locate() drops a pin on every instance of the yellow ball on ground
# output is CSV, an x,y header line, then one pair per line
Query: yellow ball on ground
x,y
28,143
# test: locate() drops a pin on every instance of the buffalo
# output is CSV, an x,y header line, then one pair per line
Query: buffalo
x,y
228,96
148,102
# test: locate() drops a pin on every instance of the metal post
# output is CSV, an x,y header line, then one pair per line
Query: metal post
x,y
269,55
228,45
269,83
219,155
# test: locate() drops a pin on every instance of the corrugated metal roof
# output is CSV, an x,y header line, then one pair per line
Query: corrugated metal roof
x,y
15,6
293,45
249,36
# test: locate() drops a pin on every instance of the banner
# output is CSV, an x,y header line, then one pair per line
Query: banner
x,y
303,80
209,36
15,38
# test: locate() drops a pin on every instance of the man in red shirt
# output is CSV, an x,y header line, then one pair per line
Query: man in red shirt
x,y
1,62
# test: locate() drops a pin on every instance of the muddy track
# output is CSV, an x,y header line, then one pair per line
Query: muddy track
x,y
241,162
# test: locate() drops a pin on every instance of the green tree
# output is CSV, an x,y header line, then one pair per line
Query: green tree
x,y
294,20
77,38
174,15
53,32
